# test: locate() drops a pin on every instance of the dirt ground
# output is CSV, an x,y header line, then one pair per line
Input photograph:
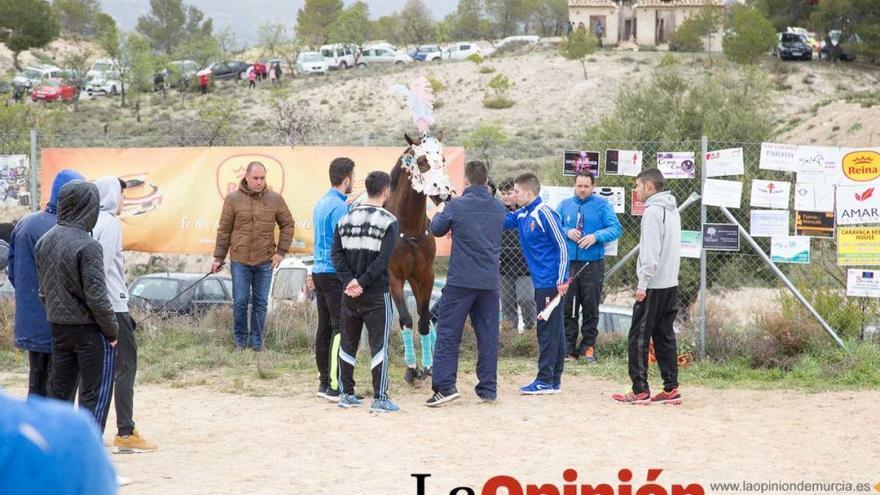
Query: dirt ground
x,y
220,443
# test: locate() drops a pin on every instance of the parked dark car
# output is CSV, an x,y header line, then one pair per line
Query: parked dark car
x,y
228,70
844,49
793,46
149,292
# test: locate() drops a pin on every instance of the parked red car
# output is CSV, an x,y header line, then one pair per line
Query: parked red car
x,y
54,90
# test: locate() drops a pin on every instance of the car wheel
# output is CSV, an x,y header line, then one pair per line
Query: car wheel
x,y
437,60
362,65
343,65
399,62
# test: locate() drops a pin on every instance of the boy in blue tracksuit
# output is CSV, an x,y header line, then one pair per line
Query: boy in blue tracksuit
x,y
589,222
543,244
328,288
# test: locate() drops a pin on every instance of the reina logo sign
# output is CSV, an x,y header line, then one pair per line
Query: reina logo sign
x,y
861,166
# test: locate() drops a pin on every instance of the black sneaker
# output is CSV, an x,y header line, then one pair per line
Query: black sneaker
x,y
322,391
438,399
331,395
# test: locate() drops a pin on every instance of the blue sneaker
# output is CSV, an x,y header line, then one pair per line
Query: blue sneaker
x,y
346,401
537,387
383,406
557,387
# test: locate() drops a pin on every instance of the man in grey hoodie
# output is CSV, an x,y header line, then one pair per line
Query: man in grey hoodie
x,y
656,295
108,232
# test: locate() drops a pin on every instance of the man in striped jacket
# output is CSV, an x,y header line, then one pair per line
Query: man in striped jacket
x,y
362,246
543,244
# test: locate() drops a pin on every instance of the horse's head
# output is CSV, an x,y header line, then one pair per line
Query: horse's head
x,y
426,165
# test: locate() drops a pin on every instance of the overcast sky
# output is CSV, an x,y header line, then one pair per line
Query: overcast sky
x,y
245,16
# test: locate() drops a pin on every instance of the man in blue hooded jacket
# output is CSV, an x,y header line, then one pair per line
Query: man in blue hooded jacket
x,y
32,332
589,222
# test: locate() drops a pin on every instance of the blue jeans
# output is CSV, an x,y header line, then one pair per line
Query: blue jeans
x,y
250,284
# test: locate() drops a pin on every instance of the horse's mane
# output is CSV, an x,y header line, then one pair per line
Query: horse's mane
x,y
397,171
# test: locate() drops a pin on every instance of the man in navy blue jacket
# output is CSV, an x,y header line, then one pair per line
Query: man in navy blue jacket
x,y
543,243
475,220
589,222
32,332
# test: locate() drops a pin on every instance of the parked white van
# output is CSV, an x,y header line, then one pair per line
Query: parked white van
x,y
340,56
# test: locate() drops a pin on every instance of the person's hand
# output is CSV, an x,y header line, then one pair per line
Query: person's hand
x,y
641,295
587,241
562,288
354,289
216,266
276,260
574,235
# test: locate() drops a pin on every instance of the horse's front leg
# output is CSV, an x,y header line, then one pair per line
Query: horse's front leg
x,y
427,334
395,286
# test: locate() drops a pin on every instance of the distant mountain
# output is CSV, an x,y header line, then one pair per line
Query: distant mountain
x,y
245,16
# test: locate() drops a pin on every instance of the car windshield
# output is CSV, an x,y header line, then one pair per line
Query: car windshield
x,y
52,82
312,57
430,49
791,38
155,289
31,74
102,67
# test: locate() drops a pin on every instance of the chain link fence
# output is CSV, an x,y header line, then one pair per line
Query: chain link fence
x,y
740,286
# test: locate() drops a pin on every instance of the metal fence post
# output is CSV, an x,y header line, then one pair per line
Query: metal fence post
x,y
704,147
35,200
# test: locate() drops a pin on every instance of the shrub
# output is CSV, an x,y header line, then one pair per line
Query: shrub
x,y
498,98
476,58
487,69
750,36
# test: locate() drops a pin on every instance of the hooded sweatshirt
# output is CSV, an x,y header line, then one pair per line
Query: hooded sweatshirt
x,y
32,331
659,246
108,231
70,264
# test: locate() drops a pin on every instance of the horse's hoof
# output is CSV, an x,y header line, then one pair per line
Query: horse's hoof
x,y
411,375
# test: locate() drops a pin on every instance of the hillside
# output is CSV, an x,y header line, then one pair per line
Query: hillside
x,y
815,102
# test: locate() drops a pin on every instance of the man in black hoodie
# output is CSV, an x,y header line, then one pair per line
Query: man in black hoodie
x,y
70,268
362,245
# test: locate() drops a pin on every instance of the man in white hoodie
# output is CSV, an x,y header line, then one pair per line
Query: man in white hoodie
x,y
108,232
656,295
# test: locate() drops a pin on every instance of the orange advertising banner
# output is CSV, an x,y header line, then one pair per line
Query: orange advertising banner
x,y
177,194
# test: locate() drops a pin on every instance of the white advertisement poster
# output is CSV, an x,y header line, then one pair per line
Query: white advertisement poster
x,y
553,195
862,283
726,193
818,159
611,248
623,162
768,223
814,197
780,157
790,249
677,165
614,195
858,204
721,163
691,243
770,194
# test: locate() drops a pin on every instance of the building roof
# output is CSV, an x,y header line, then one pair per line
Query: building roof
x,y
679,3
591,3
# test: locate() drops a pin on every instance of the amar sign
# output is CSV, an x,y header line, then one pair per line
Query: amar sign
x,y
861,165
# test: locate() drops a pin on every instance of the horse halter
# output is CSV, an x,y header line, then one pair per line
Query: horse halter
x,y
434,181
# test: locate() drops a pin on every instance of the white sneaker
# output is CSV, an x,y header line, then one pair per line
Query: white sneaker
x,y
122,481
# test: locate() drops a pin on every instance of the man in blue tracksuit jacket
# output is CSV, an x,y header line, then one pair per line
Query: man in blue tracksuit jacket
x,y
589,222
32,332
475,219
543,244
328,287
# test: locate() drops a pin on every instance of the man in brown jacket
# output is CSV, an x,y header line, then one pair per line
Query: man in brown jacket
x,y
247,233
